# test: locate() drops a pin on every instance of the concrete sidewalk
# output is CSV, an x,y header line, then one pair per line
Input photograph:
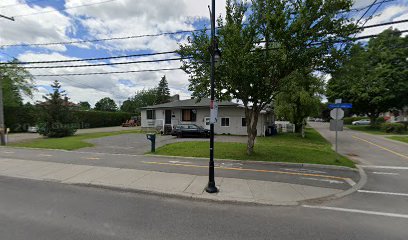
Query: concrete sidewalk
x,y
183,185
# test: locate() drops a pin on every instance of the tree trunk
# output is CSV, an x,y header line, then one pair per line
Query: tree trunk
x,y
251,115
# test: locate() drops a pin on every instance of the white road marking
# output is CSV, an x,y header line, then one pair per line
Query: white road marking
x,y
385,193
385,214
385,167
45,155
350,181
303,170
9,152
323,180
385,173
174,162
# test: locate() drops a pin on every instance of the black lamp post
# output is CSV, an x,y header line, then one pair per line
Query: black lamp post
x,y
215,58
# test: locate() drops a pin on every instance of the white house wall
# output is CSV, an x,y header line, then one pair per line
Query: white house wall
x,y
235,114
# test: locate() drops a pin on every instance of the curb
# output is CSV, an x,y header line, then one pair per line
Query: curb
x,y
361,183
300,165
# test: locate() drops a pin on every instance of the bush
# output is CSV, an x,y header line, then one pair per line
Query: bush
x,y
392,127
96,119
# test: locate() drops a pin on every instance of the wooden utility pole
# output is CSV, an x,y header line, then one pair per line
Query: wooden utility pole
x,y
2,124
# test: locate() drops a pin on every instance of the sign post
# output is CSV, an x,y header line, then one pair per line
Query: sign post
x,y
336,123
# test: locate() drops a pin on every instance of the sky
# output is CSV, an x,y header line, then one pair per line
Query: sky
x,y
45,21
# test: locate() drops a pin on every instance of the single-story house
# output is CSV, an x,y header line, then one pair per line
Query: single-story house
x,y
231,116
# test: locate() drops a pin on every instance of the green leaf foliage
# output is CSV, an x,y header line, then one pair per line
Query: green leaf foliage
x,y
106,104
375,77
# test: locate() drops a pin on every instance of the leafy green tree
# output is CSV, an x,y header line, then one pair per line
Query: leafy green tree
x,y
262,44
106,105
15,82
141,99
163,91
299,99
375,78
85,106
56,119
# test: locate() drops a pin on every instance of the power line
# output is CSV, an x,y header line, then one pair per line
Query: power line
x,y
107,64
167,69
63,9
102,39
372,14
97,59
119,38
105,73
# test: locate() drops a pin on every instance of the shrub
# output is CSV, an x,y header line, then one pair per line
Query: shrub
x,y
96,119
18,119
392,127
57,129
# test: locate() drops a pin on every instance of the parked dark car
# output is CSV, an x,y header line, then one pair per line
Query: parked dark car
x,y
190,130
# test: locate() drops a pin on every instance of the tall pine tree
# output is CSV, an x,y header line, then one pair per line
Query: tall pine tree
x,y
163,91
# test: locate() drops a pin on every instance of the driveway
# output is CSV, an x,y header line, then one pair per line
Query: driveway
x,y
137,144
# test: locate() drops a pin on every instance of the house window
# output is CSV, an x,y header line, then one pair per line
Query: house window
x,y
225,122
151,114
189,115
243,122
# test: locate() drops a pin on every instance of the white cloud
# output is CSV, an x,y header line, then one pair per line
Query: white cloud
x,y
50,27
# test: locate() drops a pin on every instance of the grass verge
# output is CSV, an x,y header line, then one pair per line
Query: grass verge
x,y
371,130
292,148
399,138
68,143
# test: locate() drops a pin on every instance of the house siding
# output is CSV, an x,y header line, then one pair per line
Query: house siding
x,y
235,115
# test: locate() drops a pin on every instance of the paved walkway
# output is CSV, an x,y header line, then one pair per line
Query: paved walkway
x,y
184,185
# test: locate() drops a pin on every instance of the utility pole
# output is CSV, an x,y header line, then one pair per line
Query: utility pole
x,y
2,125
9,18
211,188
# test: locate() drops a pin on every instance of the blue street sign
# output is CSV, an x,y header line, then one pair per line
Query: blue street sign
x,y
340,105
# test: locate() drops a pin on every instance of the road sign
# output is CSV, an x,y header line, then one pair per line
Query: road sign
x,y
336,125
337,113
340,105
338,101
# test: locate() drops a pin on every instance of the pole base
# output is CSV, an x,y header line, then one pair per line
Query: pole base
x,y
211,188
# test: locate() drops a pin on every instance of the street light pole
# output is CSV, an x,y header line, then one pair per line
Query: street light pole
x,y
211,188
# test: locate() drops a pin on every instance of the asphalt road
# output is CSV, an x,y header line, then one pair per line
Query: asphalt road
x,y
298,174
386,165
40,210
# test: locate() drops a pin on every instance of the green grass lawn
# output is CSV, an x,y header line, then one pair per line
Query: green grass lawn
x,y
69,143
369,129
400,138
282,148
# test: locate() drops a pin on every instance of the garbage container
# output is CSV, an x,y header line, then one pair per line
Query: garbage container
x,y
152,138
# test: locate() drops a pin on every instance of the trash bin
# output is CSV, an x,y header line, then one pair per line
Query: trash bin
x,y
152,138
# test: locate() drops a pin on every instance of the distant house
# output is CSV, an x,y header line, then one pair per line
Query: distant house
x,y
401,115
231,116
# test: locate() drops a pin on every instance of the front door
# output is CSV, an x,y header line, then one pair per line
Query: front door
x,y
167,117
207,123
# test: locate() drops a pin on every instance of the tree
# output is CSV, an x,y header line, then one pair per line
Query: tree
x,y
163,91
375,78
141,99
106,105
85,106
57,119
16,81
278,38
300,99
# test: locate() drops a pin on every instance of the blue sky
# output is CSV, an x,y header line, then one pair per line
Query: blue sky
x,y
43,23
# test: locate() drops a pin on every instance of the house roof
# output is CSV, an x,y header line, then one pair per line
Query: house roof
x,y
205,102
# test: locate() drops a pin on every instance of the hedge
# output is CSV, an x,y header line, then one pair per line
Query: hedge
x,y
392,127
96,119
18,119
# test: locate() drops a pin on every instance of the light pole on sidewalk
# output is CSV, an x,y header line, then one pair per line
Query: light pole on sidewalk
x,y
215,57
